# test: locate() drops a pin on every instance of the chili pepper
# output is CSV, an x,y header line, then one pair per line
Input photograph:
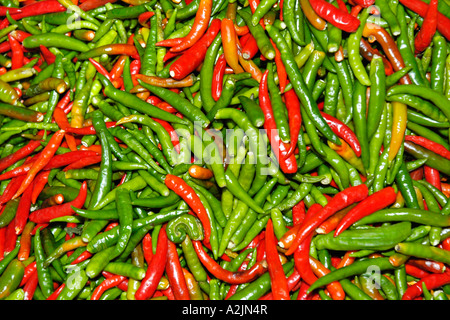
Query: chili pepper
x,y
155,268
183,190
42,160
426,32
280,289
299,85
382,198
338,202
421,9
431,281
175,273
336,17
223,274
198,28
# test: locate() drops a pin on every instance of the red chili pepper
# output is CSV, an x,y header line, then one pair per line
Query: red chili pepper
x,y
250,48
181,188
432,281
415,271
194,56
298,213
430,145
428,29
372,203
44,215
217,81
38,8
82,257
281,70
155,268
364,3
288,164
340,19
343,132
279,285
49,56
428,265
144,18
106,284
44,157
122,285
23,210
19,154
56,293
10,239
294,115
340,201
11,189
30,286
39,184
82,163
4,10
199,27
421,8
147,248
301,255
175,273
28,272
17,53
432,176
303,292
92,4
216,269
101,69
172,132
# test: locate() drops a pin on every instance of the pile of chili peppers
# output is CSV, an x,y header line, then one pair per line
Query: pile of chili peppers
x,y
131,164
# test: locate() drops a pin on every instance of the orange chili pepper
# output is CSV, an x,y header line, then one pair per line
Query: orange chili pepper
x,y
229,44
334,288
199,27
199,172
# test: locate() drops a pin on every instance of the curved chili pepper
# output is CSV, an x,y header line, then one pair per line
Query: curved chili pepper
x,y
368,52
374,202
421,8
338,202
431,282
46,214
340,19
389,47
344,132
181,188
106,284
230,277
198,28
194,56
